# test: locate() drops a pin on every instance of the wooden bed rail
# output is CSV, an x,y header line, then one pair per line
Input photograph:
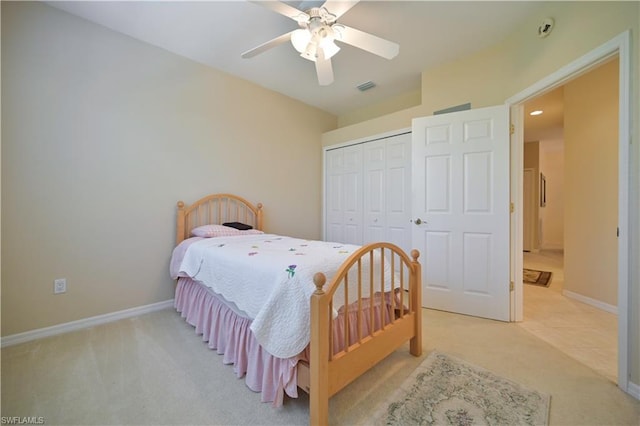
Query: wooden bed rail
x,y
216,209
330,372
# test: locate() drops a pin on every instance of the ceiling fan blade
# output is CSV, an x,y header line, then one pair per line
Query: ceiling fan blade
x,y
324,69
365,41
339,8
284,9
268,45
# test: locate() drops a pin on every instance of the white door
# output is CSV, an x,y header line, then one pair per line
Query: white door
x,y
374,166
387,191
344,195
334,205
460,180
398,187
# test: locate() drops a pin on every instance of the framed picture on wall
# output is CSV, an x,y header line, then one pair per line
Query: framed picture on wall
x,y
543,190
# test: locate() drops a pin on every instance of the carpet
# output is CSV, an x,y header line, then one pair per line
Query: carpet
x,y
444,390
541,278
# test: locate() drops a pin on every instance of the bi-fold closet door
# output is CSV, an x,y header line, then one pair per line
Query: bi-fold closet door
x,y
368,192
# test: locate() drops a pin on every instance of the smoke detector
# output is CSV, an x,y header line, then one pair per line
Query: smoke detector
x,y
545,27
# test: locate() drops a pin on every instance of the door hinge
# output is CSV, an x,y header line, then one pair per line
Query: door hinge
x,y
511,287
512,129
511,207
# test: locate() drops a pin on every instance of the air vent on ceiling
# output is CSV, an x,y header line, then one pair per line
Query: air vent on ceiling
x,y
366,86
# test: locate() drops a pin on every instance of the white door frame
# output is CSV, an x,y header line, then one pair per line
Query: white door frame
x,y
616,46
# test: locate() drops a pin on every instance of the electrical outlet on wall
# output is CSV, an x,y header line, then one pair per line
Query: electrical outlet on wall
x,y
59,285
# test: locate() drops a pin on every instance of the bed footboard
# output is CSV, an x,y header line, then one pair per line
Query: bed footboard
x,y
330,371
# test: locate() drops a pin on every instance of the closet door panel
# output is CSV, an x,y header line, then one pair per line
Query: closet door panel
x,y
334,208
374,191
343,198
352,194
398,190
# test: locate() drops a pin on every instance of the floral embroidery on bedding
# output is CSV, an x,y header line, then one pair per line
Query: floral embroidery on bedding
x,y
291,270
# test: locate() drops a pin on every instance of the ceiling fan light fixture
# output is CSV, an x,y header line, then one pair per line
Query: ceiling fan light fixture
x,y
310,52
329,47
317,33
338,31
300,39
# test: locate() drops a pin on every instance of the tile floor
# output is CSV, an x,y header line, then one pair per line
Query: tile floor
x,y
586,333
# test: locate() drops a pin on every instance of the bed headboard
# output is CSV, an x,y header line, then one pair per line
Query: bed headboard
x,y
216,209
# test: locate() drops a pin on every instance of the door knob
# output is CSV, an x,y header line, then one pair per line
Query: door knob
x,y
418,221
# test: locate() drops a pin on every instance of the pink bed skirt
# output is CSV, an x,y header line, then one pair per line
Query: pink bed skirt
x,y
229,334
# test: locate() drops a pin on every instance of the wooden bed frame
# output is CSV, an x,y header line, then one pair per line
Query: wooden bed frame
x,y
328,372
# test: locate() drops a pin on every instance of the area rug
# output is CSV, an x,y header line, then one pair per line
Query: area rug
x,y
541,278
447,391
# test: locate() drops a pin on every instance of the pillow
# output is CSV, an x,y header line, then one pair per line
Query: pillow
x,y
238,225
208,231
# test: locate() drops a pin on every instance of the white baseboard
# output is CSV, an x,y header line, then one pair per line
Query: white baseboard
x,y
27,336
634,390
593,302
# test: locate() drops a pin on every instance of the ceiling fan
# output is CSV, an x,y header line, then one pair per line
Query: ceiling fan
x,y
319,29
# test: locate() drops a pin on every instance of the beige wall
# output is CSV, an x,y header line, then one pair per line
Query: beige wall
x,y
397,103
101,136
494,75
531,160
552,215
591,182
547,157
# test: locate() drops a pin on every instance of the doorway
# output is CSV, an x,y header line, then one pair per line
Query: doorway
x,y
619,46
560,313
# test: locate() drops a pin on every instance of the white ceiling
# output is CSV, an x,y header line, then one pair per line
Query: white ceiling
x,y
216,33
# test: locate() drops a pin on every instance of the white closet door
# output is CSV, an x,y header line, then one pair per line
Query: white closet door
x,y
352,195
344,195
398,191
334,209
374,191
368,192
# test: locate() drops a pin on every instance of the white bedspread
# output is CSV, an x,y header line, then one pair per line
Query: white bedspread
x,y
270,277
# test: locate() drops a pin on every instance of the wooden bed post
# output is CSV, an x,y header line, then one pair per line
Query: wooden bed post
x,y
415,344
319,362
259,217
180,223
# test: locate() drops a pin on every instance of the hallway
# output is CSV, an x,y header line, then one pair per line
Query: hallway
x,y
586,333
